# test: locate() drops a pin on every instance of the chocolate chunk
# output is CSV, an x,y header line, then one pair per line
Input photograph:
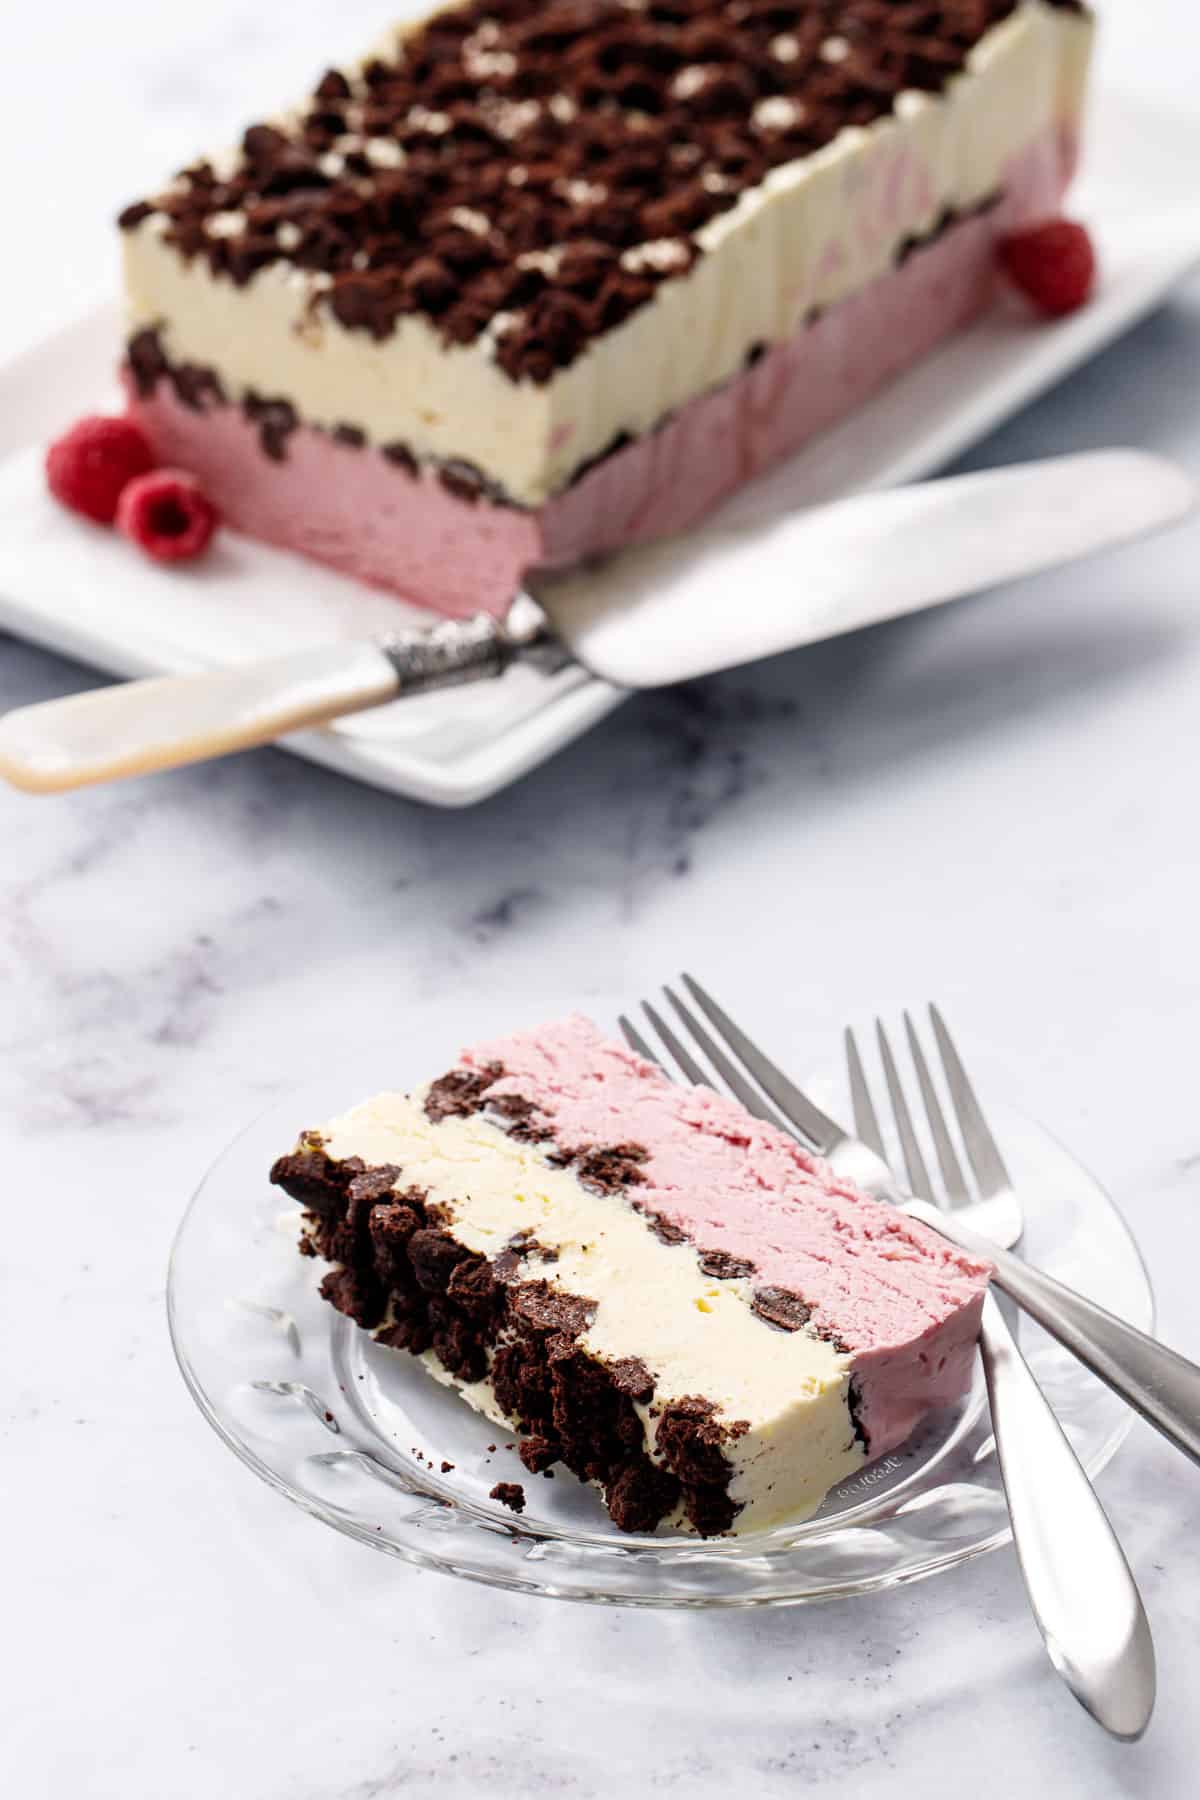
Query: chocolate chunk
x,y
545,1309
855,1403
460,1093
690,1441
353,1294
780,1307
632,1377
434,1257
262,144
473,1287
368,302
276,419
430,285
463,480
197,387
352,436
333,86
402,456
131,216
608,1171
723,1267
147,362
315,1179
665,1230
641,1495
537,1453
390,1226
373,1183
519,1115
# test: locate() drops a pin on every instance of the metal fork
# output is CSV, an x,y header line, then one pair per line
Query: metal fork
x,y
1082,1593
1158,1383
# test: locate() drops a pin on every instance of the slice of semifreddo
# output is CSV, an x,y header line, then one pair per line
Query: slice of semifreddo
x,y
641,1280
542,278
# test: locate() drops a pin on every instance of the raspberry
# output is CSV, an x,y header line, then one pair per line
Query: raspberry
x,y
168,515
1054,264
87,468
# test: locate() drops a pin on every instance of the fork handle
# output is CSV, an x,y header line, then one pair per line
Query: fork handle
x,y
1080,1588
1158,1383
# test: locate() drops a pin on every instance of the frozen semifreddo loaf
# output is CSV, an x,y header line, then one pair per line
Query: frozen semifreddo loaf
x,y
533,281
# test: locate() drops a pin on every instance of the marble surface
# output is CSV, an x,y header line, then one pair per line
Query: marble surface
x,y
170,950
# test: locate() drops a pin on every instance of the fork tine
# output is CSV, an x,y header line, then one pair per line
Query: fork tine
x,y
636,1041
739,1087
914,1162
982,1149
683,1056
814,1125
866,1122
948,1163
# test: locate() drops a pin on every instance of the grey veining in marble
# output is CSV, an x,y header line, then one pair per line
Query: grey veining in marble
x,y
1028,759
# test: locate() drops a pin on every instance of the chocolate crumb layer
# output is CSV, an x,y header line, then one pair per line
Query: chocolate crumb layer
x,y
549,163
400,1272
460,1093
275,419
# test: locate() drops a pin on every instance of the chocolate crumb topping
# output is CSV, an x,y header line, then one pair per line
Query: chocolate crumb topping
x,y
130,217
549,163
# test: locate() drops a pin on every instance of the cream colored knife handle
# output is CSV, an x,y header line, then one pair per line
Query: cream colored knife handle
x,y
173,719
169,720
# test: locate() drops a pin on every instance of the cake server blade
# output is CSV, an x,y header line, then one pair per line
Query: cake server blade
x,y
725,596
729,594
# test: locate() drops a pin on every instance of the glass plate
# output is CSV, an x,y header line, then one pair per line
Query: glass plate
x,y
363,1438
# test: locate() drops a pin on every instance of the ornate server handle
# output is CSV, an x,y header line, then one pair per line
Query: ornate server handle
x,y
139,726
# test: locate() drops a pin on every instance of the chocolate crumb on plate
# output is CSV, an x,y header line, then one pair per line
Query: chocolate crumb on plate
x,y
510,1494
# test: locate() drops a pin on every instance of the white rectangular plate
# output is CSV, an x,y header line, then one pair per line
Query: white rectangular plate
x,y
81,591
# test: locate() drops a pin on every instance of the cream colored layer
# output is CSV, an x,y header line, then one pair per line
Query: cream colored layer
x,y
814,231
698,1336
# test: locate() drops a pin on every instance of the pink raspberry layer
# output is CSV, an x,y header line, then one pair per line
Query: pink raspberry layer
x,y
904,1303
360,513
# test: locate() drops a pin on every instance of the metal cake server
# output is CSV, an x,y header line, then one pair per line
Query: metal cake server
x,y
729,594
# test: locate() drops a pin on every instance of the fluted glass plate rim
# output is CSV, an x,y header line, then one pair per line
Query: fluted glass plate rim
x,y
281,1378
